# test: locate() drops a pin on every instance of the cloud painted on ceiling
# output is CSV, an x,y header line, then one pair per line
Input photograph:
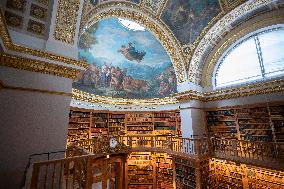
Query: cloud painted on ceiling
x,y
187,18
125,60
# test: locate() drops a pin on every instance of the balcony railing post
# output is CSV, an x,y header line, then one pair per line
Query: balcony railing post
x,y
89,173
34,180
197,147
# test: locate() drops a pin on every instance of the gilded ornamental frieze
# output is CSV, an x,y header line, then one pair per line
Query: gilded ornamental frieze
x,y
66,20
274,86
92,98
37,66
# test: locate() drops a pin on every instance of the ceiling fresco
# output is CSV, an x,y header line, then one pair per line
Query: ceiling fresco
x,y
187,18
125,60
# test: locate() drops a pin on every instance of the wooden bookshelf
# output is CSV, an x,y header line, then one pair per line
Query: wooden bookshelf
x,y
185,174
86,124
255,123
141,170
164,171
222,123
150,170
79,126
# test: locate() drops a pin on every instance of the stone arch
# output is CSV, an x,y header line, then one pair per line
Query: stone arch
x,y
198,71
250,27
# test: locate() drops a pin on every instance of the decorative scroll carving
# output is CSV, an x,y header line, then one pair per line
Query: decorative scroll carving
x,y
66,20
155,6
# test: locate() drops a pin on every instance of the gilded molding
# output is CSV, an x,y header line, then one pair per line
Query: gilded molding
x,y
38,66
269,87
215,32
4,34
87,97
66,20
155,6
132,11
273,86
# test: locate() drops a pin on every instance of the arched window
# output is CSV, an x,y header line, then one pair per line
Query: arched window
x,y
260,56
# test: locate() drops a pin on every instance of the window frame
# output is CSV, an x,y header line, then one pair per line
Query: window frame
x,y
227,52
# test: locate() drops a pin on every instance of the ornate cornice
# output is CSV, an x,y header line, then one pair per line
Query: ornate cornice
x,y
145,18
87,97
37,66
215,32
274,86
9,45
268,87
208,69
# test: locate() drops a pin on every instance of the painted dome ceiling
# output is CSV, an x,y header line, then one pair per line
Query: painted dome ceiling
x,y
125,61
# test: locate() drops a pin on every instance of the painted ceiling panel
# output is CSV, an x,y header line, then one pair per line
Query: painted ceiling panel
x,y
125,60
187,18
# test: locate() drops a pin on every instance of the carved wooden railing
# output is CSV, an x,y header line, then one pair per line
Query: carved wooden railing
x,y
76,172
189,147
257,153
63,173
267,154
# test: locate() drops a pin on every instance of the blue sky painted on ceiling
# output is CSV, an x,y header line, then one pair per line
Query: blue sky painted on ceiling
x,y
103,56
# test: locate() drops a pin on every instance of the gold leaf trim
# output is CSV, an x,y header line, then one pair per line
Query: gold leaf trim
x,y
37,66
66,20
274,86
269,87
87,97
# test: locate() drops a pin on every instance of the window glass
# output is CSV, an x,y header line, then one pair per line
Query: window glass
x,y
272,47
240,64
243,62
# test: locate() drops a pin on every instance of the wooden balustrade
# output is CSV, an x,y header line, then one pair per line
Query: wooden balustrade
x,y
80,172
178,146
268,154
252,152
63,173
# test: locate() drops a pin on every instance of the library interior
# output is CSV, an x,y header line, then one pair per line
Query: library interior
x,y
142,94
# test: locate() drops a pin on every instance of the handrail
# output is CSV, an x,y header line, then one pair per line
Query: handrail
x,y
252,152
75,170
23,182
